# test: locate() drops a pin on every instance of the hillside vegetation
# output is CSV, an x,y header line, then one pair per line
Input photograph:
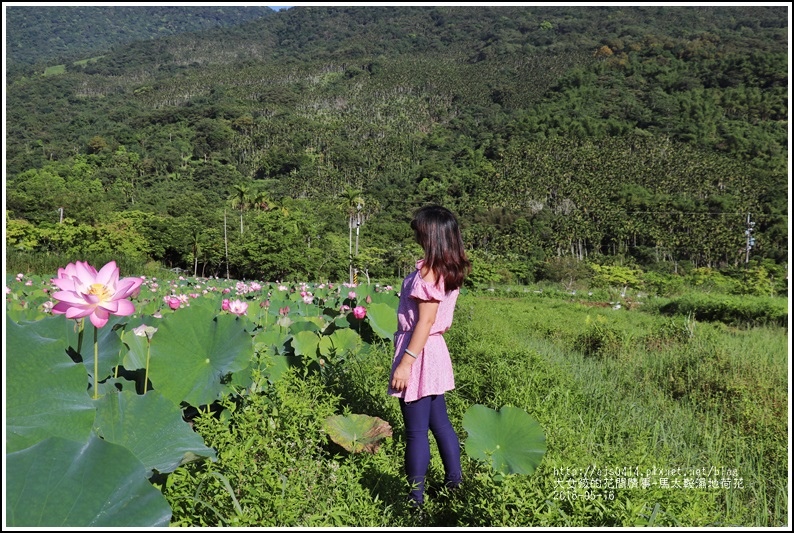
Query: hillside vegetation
x,y
45,33
650,137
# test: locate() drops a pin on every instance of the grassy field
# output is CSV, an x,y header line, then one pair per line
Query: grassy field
x,y
649,420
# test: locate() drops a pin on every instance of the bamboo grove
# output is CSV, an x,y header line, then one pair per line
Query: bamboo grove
x,y
656,135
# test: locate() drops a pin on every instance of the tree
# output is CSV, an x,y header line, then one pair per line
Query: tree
x,y
240,198
352,203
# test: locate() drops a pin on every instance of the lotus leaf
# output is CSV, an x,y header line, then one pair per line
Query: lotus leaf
x,y
357,433
340,342
510,440
47,395
383,319
92,483
305,343
151,427
192,353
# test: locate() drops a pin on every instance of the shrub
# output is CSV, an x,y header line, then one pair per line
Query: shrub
x,y
733,310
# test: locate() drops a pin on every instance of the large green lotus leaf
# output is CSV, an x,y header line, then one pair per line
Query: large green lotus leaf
x,y
108,341
278,300
136,356
344,321
151,427
340,342
383,319
304,324
277,366
357,433
510,439
305,343
46,393
193,351
271,340
79,484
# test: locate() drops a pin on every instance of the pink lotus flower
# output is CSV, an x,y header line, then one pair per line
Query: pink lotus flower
x,y
225,304
352,295
172,301
238,307
359,312
97,295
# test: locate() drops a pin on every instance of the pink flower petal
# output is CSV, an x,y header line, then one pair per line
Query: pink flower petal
x,y
77,312
109,275
69,297
127,286
66,284
85,272
110,306
125,308
99,320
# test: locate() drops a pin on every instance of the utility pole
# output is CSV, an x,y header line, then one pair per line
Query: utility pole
x,y
226,243
750,239
358,225
60,210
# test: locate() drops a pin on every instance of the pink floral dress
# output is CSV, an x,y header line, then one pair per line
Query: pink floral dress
x,y
431,373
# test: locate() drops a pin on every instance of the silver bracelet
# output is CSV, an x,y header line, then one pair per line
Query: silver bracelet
x,y
409,352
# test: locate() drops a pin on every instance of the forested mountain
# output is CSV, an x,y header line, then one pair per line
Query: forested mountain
x,y
645,135
37,34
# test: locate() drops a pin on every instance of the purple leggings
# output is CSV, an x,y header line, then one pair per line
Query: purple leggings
x,y
430,413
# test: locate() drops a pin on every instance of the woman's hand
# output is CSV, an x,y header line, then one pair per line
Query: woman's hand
x,y
399,381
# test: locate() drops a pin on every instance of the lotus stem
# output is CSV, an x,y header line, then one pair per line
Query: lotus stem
x,y
80,328
96,361
146,374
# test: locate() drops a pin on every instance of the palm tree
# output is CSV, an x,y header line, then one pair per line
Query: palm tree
x,y
262,200
195,234
351,203
240,198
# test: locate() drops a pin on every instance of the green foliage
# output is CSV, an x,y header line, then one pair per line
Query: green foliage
x,y
275,455
505,115
707,279
610,276
47,32
677,392
663,284
653,392
736,310
757,281
601,339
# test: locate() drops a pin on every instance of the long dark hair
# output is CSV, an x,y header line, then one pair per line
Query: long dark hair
x,y
437,232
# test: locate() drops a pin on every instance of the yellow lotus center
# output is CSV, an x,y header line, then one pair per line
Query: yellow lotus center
x,y
100,291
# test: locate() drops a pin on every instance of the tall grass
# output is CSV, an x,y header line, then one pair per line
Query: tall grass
x,y
612,389
615,388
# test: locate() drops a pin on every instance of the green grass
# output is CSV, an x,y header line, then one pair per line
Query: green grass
x,y
612,389
88,60
55,69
